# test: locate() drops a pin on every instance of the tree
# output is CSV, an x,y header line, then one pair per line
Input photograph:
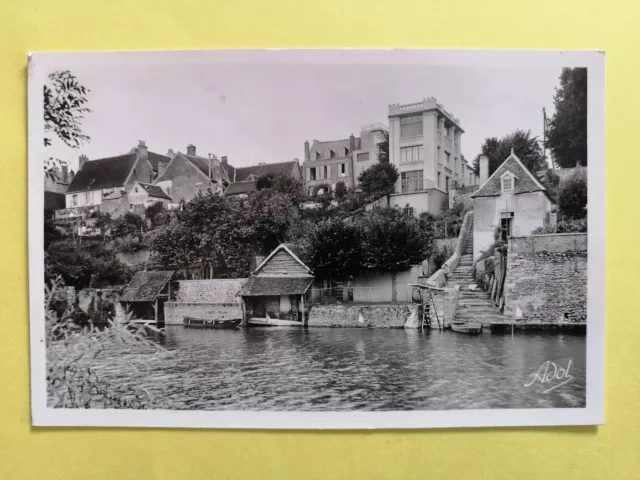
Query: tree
x,y
128,225
383,148
335,249
65,103
379,179
341,190
572,198
282,183
551,182
567,134
393,242
272,216
526,148
177,246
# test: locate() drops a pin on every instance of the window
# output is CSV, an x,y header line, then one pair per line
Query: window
x,y
408,211
312,173
439,180
411,126
87,198
325,171
136,188
439,157
344,151
317,154
446,183
343,169
507,182
74,200
411,154
363,157
328,153
447,158
412,181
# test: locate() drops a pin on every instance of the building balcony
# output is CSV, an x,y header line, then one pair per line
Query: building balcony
x,y
76,213
413,185
464,182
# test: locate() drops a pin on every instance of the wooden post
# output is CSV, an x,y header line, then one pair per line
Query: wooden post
x,y
302,310
156,311
243,307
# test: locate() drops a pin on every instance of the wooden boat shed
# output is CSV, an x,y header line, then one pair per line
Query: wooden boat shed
x,y
146,295
278,286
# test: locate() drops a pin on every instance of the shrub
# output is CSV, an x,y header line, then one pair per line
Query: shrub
x,y
572,198
379,179
564,226
341,190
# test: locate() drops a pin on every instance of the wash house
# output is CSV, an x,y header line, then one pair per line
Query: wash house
x,y
277,287
146,295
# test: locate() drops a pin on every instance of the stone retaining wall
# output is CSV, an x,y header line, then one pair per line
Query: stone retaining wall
x,y
547,278
362,316
207,291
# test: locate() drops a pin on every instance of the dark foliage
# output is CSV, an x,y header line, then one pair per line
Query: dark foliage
x,y
526,148
379,179
65,103
572,198
335,249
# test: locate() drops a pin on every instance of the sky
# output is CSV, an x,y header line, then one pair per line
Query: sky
x,y
264,112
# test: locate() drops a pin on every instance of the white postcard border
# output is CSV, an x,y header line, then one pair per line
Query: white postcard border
x,y
592,414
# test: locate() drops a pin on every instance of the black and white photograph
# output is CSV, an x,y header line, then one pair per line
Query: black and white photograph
x,y
317,238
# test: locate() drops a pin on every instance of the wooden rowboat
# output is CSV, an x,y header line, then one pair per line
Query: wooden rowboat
x,y
267,321
216,324
463,327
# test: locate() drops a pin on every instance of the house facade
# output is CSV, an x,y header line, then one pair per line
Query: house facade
x,y
333,161
511,199
97,179
425,147
188,173
278,286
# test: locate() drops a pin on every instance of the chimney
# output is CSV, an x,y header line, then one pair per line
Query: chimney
x,y
82,159
307,155
142,149
65,174
170,153
315,142
191,150
484,169
352,143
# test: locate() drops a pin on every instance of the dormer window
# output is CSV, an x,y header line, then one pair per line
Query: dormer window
x,y
508,182
344,151
328,153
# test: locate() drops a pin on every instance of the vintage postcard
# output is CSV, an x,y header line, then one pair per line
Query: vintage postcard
x,y
317,238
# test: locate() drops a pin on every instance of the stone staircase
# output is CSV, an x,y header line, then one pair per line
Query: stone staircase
x,y
473,306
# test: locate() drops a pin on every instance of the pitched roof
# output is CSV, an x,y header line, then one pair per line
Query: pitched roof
x,y
526,182
103,173
291,249
145,286
273,286
299,251
242,173
155,158
154,191
334,145
238,188
203,165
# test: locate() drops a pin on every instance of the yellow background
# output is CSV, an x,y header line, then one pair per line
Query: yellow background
x,y
611,451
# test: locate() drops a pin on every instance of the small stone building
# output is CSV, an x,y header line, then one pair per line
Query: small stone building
x,y
511,199
278,286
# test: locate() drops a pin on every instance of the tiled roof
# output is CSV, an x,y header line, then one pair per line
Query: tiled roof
x,y
238,188
104,173
155,158
145,286
273,286
203,165
525,181
154,191
334,145
242,173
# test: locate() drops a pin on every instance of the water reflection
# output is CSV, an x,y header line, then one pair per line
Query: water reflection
x,y
358,369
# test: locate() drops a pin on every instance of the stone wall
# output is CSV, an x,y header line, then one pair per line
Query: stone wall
x,y
462,194
547,278
362,316
174,312
446,304
207,291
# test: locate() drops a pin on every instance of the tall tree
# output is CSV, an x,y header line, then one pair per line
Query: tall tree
x,y
272,216
379,179
65,104
383,148
567,134
526,147
335,249
393,242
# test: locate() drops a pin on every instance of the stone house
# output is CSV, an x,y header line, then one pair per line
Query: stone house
x,y
243,180
278,286
186,174
98,179
511,199
333,161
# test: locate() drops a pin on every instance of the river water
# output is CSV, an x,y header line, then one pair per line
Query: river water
x,y
323,369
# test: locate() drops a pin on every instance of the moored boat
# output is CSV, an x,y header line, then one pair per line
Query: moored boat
x,y
463,327
216,324
273,322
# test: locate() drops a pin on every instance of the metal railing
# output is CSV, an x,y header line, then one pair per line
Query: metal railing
x,y
471,181
413,185
320,296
